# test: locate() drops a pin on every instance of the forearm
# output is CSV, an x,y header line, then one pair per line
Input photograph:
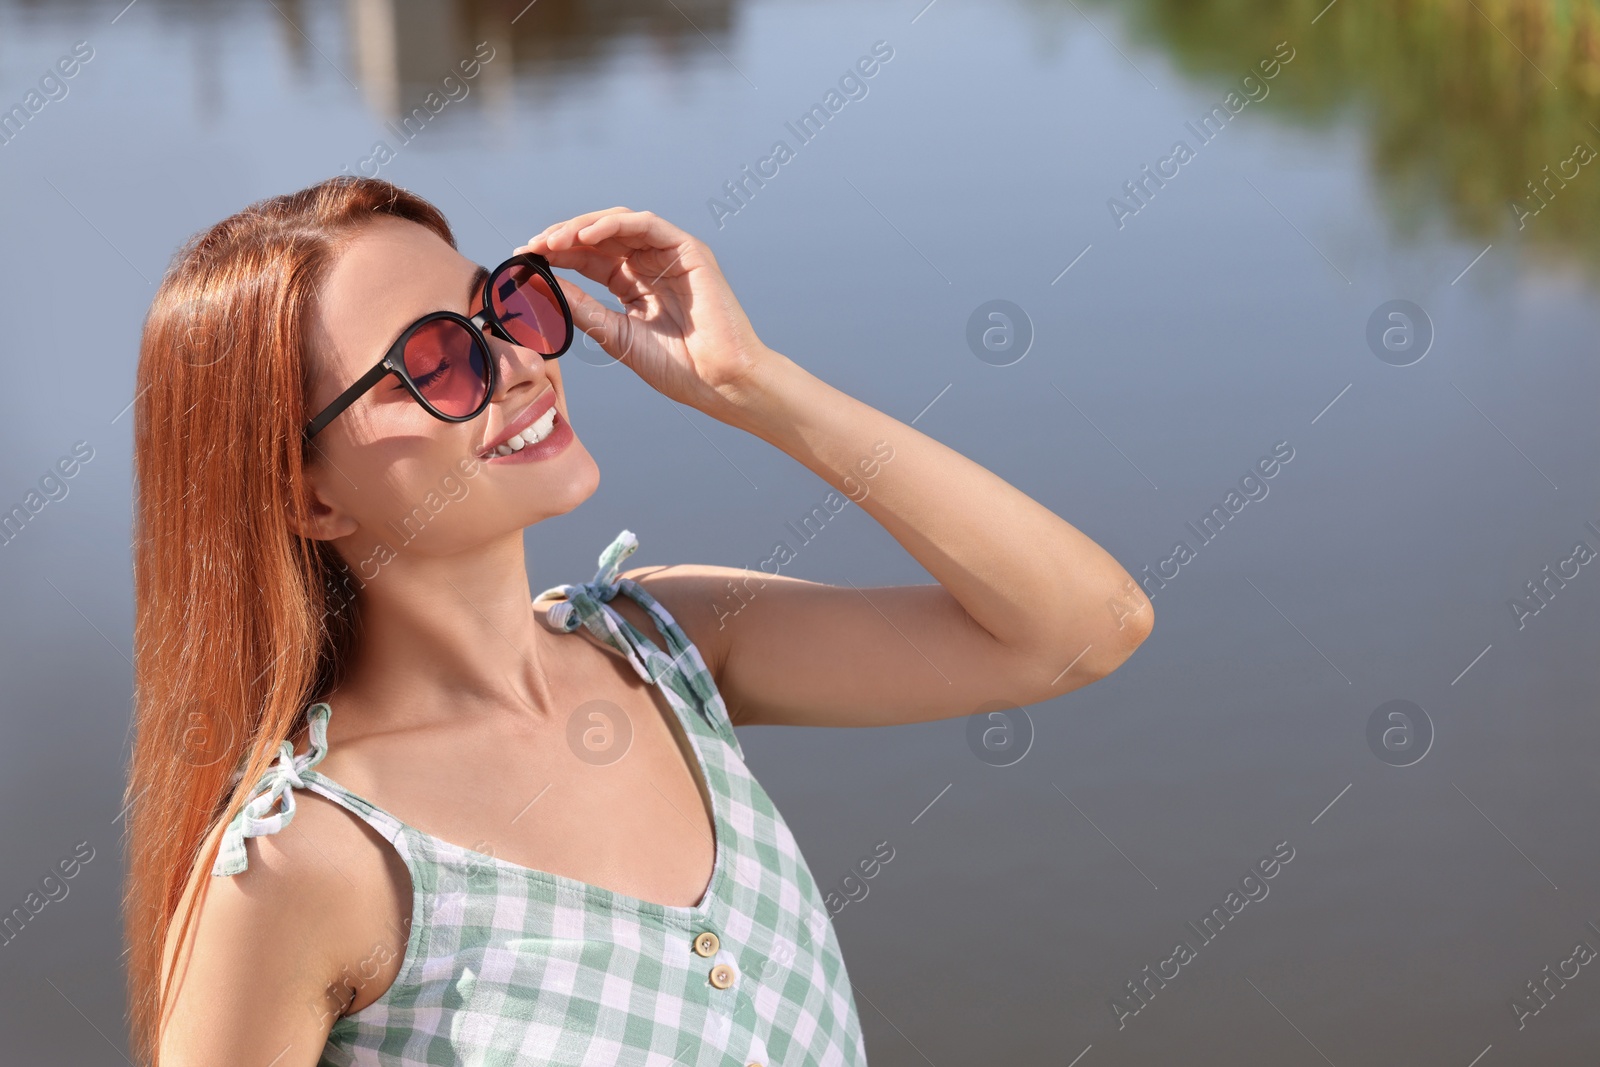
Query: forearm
x,y
1033,581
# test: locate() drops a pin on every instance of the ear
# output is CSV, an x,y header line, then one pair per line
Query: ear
x,y
327,520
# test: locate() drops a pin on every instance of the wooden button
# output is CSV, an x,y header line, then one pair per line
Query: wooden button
x,y
707,944
722,976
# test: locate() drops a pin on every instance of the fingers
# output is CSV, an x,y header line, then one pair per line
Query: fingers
x,y
539,241
592,263
635,229
608,328
627,251
614,230
611,271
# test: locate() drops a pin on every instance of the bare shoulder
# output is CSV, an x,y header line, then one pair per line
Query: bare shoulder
x,y
278,951
708,601
700,597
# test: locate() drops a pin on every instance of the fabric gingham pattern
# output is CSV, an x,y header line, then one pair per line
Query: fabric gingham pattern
x,y
508,965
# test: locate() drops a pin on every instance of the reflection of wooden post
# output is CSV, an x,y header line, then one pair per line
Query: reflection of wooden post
x,y
372,38
207,70
495,80
403,49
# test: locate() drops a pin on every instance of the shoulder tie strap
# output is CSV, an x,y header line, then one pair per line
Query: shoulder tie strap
x,y
257,816
583,605
679,668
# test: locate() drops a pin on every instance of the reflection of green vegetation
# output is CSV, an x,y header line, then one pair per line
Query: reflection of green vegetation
x,y
1459,121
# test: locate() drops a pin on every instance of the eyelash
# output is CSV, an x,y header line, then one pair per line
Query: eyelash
x,y
428,379
432,376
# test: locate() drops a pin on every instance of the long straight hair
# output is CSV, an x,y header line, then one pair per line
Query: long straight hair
x,y
239,621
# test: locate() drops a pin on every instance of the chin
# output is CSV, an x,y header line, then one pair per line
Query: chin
x,y
562,495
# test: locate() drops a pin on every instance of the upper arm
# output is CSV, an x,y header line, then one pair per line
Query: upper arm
x,y
786,651
263,972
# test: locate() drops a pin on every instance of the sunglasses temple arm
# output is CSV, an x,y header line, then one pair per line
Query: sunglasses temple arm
x,y
348,397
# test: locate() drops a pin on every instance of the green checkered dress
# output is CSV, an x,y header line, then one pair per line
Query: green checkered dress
x,y
508,965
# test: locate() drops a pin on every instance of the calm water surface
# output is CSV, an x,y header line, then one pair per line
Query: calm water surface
x,y
1173,320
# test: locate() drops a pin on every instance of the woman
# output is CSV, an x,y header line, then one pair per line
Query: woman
x,y
510,845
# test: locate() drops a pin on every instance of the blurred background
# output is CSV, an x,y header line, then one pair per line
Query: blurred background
x,y
1380,262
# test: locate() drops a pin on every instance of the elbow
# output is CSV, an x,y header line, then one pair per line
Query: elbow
x,y
1134,618
1103,659
1079,655
1098,657
1134,631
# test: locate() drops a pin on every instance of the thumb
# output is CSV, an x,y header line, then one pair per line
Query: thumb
x,y
610,329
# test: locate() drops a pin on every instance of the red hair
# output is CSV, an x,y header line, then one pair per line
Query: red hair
x,y
239,621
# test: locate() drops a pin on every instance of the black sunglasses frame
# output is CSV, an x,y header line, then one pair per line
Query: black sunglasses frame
x,y
393,361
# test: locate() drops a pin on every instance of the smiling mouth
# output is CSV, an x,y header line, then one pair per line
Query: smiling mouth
x,y
532,434
530,430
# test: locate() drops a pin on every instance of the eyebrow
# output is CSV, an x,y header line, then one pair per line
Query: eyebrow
x,y
479,276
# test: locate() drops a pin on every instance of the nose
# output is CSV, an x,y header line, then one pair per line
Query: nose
x,y
516,368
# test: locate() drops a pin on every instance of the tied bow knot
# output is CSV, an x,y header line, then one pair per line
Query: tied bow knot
x,y
584,605
258,816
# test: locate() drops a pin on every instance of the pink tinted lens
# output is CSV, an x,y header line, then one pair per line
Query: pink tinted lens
x,y
449,366
522,300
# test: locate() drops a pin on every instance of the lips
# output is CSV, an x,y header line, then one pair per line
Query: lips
x,y
531,414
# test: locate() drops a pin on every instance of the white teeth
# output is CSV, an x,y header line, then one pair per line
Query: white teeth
x,y
541,427
532,435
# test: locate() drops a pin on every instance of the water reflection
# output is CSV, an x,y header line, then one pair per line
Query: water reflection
x,y
1480,118
405,48
1195,342
1463,106
398,51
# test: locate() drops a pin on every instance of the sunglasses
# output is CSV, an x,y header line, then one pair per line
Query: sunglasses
x,y
443,358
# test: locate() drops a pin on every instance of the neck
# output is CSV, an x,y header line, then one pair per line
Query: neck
x,y
445,636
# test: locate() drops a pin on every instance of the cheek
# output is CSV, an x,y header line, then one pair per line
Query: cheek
x,y
385,481
382,491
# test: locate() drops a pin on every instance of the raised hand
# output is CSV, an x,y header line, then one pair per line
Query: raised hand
x,y
681,328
